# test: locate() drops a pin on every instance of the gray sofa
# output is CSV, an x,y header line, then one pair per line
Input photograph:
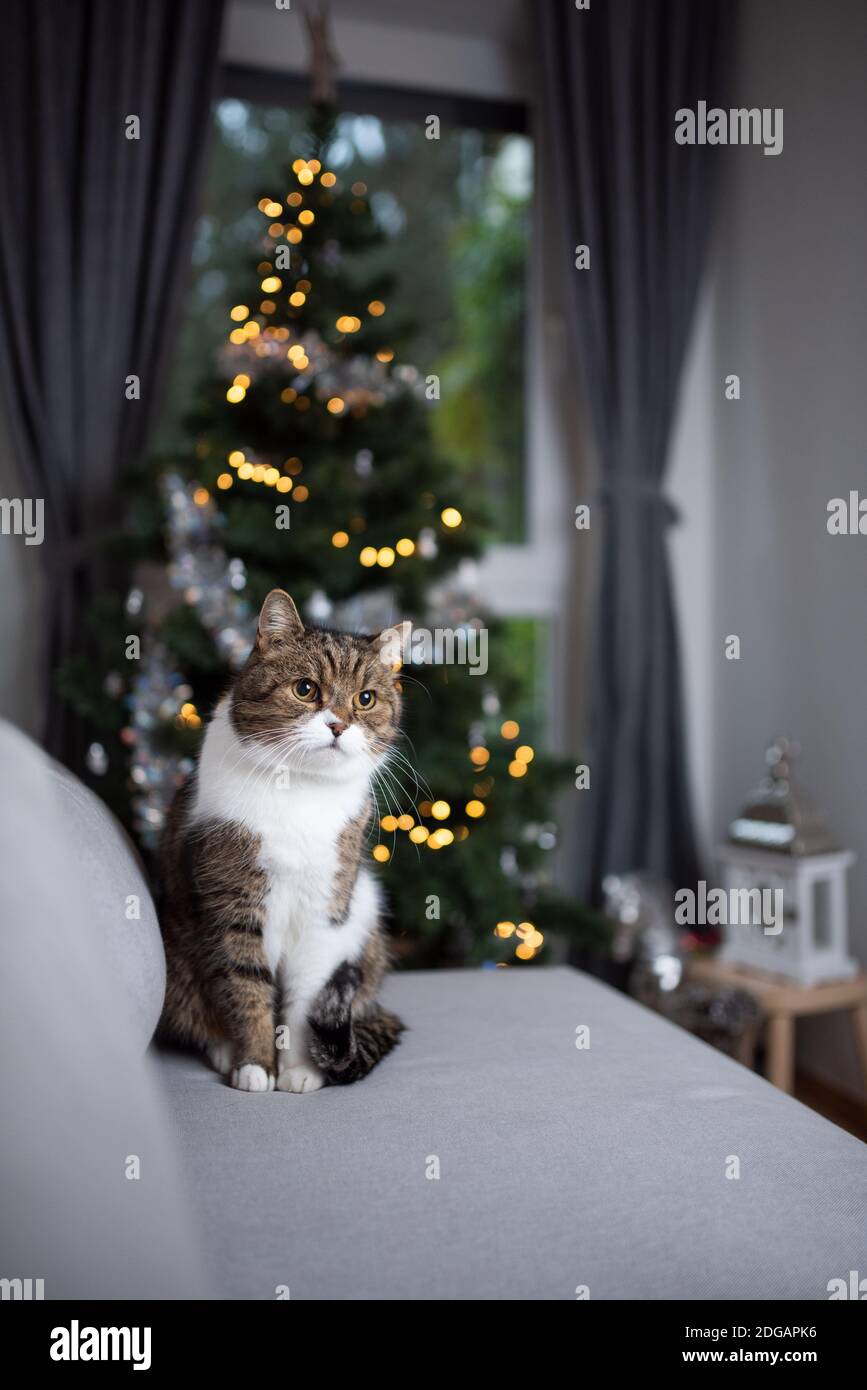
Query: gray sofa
x,y
487,1158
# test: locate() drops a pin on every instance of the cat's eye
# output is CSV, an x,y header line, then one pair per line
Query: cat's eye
x,y
364,699
305,689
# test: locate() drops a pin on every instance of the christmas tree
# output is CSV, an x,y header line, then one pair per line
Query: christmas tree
x,y
310,465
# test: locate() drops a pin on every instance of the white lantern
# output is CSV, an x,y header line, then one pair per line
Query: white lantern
x,y
779,845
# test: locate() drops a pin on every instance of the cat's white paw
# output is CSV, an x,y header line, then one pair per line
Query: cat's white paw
x,y
300,1078
220,1056
251,1077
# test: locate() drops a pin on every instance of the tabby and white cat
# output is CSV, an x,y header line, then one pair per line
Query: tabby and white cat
x,y
270,919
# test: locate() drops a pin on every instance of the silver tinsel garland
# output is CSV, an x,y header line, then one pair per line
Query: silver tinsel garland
x,y
200,570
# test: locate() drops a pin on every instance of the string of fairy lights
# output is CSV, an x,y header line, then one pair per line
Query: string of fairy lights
x,y
528,937
250,329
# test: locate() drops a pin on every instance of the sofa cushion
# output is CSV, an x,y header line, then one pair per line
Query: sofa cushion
x,y
118,901
558,1167
90,1200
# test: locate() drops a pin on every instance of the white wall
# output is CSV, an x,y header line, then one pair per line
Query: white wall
x,y
690,484
787,311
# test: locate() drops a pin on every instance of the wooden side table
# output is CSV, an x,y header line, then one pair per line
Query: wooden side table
x,y
782,1003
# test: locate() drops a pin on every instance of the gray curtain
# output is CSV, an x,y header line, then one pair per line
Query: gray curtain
x,y
95,239
613,78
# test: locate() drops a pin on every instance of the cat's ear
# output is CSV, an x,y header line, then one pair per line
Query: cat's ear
x,y
278,621
393,643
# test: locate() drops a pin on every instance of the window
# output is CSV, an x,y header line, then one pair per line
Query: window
x,y
463,220
456,213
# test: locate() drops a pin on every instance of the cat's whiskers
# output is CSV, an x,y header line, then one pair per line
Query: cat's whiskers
x,y
252,785
421,783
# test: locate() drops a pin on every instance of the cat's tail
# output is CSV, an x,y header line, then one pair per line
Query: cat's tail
x,y
346,1047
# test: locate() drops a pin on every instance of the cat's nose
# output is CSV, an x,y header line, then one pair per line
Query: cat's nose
x,y
337,728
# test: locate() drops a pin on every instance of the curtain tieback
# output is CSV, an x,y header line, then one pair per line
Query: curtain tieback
x,y
638,491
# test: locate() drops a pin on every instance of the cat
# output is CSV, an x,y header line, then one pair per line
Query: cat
x,y
270,918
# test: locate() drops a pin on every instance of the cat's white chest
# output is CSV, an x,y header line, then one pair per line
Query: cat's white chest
x,y
297,823
299,832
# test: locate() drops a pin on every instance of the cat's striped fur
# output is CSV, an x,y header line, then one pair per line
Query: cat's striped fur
x,y
269,912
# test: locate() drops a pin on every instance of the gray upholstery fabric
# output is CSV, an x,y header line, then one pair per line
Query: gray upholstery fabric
x,y
78,1099
131,947
559,1167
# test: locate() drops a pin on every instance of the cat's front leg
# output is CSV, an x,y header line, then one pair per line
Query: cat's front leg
x,y
244,1001
295,1069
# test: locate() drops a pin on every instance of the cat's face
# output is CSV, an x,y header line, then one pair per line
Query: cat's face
x,y
322,702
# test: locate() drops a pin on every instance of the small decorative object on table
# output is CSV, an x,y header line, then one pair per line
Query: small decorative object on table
x,y
781,843
642,913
